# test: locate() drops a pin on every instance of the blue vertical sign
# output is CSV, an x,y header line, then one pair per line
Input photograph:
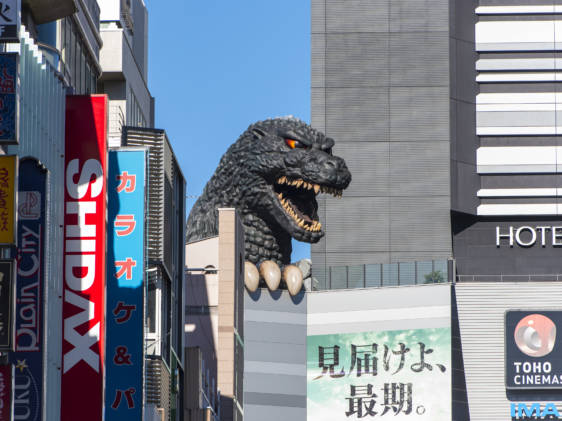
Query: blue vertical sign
x,y
124,294
30,284
9,63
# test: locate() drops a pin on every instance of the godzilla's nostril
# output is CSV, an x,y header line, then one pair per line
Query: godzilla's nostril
x,y
331,165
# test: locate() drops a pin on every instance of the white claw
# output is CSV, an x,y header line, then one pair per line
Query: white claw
x,y
271,273
251,276
292,276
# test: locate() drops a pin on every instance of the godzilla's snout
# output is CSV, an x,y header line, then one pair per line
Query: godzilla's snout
x,y
331,170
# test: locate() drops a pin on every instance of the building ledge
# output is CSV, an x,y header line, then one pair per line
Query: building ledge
x,y
44,11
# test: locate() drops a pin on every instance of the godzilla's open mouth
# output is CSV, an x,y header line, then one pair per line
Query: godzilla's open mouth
x,y
298,199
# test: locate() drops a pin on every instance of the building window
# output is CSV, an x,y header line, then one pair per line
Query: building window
x,y
77,67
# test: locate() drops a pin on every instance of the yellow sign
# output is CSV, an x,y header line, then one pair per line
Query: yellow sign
x,y
8,174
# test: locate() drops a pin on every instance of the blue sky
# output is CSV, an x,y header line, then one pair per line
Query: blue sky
x,y
216,66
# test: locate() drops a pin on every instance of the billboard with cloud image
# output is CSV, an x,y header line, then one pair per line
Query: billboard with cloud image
x,y
402,375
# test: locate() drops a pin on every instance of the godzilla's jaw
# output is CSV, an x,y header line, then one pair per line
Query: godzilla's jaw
x,y
297,200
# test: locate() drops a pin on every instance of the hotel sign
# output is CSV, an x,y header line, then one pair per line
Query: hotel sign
x,y
529,236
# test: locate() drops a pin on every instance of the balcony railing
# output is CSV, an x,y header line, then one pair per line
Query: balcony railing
x,y
384,274
509,278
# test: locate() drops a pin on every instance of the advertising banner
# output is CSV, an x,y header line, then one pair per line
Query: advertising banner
x,y
125,274
533,351
28,355
402,375
84,258
6,305
8,177
6,392
9,100
10,11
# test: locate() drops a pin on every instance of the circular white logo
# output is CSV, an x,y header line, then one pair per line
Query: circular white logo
x,y
535,335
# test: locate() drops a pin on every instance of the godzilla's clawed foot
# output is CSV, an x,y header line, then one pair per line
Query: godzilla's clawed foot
x,y
271,273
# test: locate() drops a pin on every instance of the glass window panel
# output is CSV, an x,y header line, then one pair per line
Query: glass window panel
x,y
390,274
373,275
441,270
72,58
319,273
424,270
338,277
82,70
407,273
356,275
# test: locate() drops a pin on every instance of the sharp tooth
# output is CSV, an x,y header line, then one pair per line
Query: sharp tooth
x,y
316,188
299,183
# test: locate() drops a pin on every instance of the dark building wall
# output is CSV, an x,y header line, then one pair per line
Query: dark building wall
x,y
380,87
479,257
465,181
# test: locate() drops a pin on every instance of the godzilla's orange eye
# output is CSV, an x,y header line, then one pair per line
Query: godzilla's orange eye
x,y
292,143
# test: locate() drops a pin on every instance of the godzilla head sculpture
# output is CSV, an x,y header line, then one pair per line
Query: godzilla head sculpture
x,y
272,175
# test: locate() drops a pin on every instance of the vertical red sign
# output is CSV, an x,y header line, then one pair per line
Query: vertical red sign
x,y
6,392
84,258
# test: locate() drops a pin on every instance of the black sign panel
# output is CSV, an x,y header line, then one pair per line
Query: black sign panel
x,y
533,349
9,20
6,305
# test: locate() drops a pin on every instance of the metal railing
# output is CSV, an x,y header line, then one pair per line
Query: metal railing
x,y
509,278
384,274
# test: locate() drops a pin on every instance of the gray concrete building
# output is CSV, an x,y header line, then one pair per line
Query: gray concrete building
x,y
380,87
446,114
124,60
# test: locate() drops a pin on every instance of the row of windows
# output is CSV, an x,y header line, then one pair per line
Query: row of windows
x,y
135,117
76,66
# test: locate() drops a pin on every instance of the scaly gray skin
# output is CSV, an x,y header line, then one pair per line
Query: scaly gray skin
x,y
256,176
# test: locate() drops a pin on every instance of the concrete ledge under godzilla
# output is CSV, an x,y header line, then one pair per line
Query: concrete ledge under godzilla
x,y
272,175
